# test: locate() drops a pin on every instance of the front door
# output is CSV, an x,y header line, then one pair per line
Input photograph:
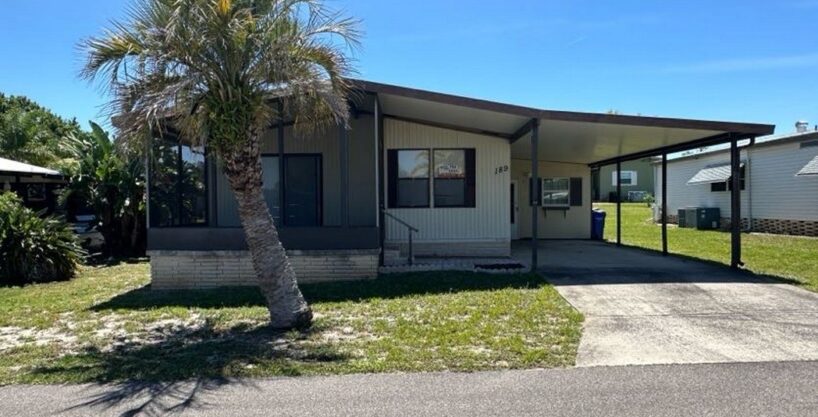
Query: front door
x,y
514,210
302,190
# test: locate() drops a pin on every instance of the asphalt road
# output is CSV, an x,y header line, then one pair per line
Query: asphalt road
x,y
735,389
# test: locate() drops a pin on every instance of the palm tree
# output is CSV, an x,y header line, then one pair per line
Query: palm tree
x,y
220,71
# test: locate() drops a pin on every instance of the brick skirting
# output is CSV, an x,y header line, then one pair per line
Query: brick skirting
x,y
210,269
774,226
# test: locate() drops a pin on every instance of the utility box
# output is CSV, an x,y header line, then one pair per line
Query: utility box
x,y
702,218
687,217
708,218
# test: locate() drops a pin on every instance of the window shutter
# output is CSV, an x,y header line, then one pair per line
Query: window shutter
x,y
576,191
392,173
471,178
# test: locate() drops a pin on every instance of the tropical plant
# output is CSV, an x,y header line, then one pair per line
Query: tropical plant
x,y
30,133
109,178
33,248
220,71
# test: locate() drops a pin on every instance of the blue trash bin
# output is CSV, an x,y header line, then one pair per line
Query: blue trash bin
x,y
597,224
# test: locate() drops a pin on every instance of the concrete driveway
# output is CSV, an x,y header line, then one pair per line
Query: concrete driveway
x,y
643,308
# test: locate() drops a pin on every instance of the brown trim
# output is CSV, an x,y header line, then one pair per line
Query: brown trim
x,y
449,126
741,128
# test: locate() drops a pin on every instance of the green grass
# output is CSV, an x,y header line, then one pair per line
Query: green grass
x,y
107,325
789,257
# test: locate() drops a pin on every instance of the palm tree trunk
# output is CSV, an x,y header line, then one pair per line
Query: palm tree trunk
x,y
275,275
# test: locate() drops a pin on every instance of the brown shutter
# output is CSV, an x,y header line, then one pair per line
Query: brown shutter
x,y
471,178
576,192
392,173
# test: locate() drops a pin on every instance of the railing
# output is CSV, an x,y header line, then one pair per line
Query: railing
x,y
409,228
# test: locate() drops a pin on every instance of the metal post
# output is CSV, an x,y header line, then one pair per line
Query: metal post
x,y
664,203
344,163
411,248
735,204
618,203
535,200
280,130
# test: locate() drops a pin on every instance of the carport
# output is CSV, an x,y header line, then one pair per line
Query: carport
x,y
590,139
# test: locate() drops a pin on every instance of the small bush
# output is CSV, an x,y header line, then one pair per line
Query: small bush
x,y
35,249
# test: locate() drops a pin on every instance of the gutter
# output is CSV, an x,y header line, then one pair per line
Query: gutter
x,y
748,181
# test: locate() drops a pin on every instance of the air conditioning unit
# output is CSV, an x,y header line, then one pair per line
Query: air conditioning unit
x,y
702,218
708,218
687,217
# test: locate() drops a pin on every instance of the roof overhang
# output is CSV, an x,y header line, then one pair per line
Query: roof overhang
x,y
713,174
15,168
573,137
810,169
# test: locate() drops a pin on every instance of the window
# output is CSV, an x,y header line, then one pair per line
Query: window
x,y
178,185
451,172
450,178
728,185
413,178
556,192
302,189
628,178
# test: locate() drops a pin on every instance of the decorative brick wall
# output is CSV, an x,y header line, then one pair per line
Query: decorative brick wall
x,y
774,226
210,269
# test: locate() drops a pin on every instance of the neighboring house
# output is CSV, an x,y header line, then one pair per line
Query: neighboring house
x,y
36,186
636,182
457,169
779,184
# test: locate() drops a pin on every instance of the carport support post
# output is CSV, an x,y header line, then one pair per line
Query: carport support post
x,y
618,202
535,199
735,203
664,203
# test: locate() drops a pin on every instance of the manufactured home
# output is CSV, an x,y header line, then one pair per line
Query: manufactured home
x,y
778,184
36,186
415,172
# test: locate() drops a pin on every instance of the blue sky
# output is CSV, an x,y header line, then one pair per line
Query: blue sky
x,y
748,60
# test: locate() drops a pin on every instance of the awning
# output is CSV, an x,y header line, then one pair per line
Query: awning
x,y
811,168
8,166
712,173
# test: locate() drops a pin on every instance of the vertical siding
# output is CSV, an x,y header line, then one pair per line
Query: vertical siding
x,y
773,188
575,223
327,144
489,220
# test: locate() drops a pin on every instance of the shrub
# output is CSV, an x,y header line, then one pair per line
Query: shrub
x,y
32,248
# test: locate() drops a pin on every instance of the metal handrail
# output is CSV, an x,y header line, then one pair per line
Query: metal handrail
x,y
411,229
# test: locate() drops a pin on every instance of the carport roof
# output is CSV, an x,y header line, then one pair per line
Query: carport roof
x,y
565,136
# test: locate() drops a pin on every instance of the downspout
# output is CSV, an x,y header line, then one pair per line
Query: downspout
x,y
748,180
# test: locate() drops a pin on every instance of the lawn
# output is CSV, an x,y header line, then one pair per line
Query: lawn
x,y
789,257
107,325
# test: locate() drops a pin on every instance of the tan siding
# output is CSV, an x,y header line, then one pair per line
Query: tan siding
x,y
575,223
488,221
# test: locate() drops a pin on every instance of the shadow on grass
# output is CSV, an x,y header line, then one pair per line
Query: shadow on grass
x,y
178,367
384,287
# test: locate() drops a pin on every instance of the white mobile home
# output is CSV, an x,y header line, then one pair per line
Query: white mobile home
x,y
779,184
450,174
